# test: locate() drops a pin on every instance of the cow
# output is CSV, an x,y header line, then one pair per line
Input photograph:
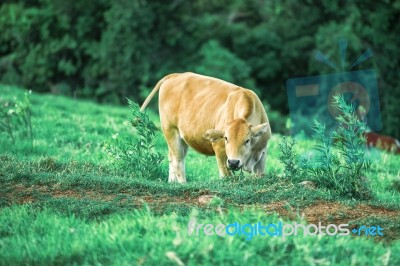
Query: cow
x,y
214,117
382,142
373,139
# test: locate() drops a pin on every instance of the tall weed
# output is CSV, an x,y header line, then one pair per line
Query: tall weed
x,y
16,119
135,153
338,162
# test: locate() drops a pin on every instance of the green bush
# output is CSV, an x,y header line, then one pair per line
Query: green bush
x,y
16,119
48,45
217,61
289,158
110,50
136,153
338,162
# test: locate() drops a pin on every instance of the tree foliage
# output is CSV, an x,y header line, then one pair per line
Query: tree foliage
x,y
109,50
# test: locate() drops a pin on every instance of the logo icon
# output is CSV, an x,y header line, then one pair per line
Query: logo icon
x,y
311,98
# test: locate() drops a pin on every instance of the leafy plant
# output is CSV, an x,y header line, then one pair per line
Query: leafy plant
x,y
289,158
350,139
325,165
136,153
339,162
16,118
5,122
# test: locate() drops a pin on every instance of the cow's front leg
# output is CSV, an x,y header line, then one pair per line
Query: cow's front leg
x,y
177,150
221,157
259,168
222,167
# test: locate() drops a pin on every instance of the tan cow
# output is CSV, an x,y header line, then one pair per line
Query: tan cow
x,y
213,117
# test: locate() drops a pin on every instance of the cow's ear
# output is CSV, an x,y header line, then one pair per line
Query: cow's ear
x,y
213,135
260,129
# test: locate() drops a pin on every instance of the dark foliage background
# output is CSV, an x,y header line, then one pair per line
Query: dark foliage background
x,y
109,50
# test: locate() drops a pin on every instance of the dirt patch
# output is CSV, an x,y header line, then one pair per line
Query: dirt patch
x,y
340,213
65,193
21,194
205,199
282,207
322,211
26,200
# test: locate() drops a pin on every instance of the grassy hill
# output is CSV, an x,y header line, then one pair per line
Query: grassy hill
x,y
64,199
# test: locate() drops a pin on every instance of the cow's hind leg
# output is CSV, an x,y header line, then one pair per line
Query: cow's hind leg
x,y
177,149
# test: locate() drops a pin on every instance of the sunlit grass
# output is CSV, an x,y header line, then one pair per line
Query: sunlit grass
x,y
144,238
66,202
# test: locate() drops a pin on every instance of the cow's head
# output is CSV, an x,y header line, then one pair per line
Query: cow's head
x,y
240,138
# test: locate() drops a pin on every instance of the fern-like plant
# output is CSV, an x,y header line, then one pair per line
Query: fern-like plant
x,y
136,153
339,161
351,143
16,119
290,159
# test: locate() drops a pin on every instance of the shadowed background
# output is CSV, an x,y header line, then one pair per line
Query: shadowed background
x,y
109,50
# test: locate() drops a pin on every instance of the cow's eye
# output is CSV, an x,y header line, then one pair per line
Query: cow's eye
x,y
226,139
247,142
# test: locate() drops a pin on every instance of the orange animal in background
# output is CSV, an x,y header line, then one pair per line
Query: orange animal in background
x,y
375,140
382,142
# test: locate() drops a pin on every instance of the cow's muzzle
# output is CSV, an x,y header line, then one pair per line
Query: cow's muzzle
x,y
234,164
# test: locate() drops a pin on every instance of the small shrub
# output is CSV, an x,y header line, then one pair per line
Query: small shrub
x,y
289,158
350,139
136,153
325,166
16,119
342,169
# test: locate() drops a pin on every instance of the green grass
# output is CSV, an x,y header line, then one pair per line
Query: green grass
x,y
67,202
141,237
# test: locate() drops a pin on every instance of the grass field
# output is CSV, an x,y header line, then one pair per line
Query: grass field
x,y
65,201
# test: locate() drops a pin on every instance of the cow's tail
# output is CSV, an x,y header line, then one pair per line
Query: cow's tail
x,y
155,90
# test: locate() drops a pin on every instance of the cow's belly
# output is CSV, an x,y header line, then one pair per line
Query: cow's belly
x,y
199,145
197,114
192,129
